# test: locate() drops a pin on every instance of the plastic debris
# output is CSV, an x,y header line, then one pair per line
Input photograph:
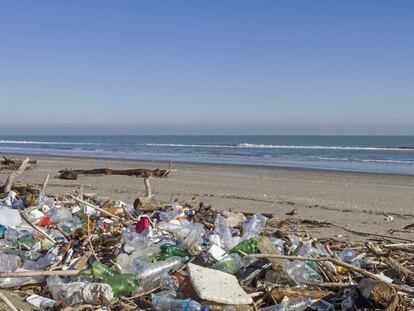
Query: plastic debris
x,y
81,250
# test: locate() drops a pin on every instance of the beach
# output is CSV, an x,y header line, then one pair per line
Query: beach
x,y
368,202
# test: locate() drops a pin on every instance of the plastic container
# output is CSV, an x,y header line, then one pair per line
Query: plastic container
x,y
165,303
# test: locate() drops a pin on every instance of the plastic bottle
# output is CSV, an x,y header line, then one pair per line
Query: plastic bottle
x,y
131,264
247,246
77,293
134,239
101,271
293,304
169,250
229,264
9,263
157,268
222,229
42,262
253,227
123,284
165,303
301,273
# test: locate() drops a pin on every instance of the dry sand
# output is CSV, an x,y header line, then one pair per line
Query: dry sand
x,y
359,201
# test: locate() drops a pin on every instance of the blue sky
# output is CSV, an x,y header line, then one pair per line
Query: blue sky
x,y
207,67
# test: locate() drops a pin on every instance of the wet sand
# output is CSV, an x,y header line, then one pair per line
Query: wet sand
x,y
375,203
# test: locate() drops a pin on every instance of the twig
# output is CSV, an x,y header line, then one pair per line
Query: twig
x,y
95,207
47,236
14,175
338,263
38,273
7,302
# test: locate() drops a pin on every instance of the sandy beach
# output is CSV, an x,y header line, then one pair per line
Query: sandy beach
x,y
375,203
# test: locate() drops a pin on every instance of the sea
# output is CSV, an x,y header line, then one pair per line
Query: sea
x,y
380,154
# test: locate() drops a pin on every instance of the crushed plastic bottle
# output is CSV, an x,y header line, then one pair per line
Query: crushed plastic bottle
x,y
293,304
165,303
134,239
157,268
76,293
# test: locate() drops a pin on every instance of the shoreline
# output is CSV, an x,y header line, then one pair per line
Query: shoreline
x,y
359,201
258,166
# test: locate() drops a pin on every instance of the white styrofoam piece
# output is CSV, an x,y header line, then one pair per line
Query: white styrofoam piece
x,y
217,286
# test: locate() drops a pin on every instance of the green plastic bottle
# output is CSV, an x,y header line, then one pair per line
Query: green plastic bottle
x,y
247,246
101,271
170,250
122,284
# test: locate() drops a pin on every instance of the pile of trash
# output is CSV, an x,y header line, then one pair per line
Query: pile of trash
x,y
83,253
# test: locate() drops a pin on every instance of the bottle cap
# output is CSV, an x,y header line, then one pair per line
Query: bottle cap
x,y
204,308
186,258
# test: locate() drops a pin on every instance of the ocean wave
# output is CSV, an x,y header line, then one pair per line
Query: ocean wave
x,y
262,146
29,142
367,160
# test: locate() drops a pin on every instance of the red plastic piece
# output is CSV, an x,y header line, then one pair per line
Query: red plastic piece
x,y
142,224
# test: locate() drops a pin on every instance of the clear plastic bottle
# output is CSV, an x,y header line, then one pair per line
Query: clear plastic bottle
x,y
77,293
165,303
254,226
134,239
222,229
43,261
157,268
293,304
9,263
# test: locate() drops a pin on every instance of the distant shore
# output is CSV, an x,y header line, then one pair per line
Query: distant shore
x,y
371,202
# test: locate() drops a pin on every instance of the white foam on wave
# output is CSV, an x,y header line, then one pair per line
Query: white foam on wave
x,y
260,146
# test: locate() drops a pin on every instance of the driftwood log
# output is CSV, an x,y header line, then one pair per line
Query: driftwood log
x,y
139,172
14,164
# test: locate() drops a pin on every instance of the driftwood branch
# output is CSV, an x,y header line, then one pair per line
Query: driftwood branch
x,y
22,274
139,172
15,175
